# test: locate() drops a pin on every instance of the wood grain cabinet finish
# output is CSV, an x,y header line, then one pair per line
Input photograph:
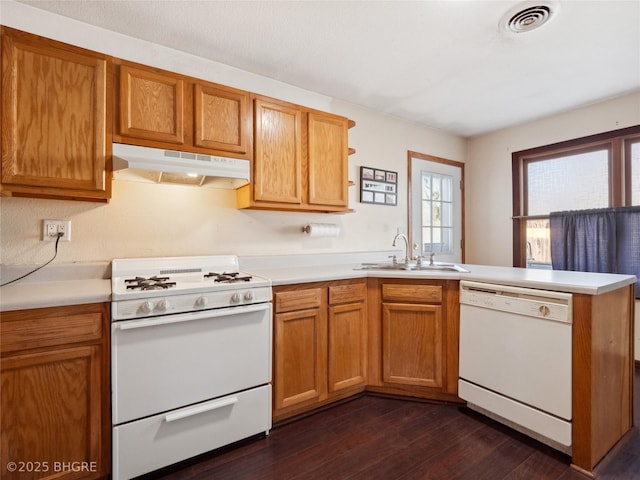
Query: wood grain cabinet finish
x,y
300,159
319,345
413,338
222,119
347,336
327,161
300,348
151,105
412,344
277,163
162,109
55,134
55,393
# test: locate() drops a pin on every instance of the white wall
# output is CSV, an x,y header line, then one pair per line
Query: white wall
x,y
488,186
160,220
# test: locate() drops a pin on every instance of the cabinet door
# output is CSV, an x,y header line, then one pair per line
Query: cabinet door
x,y
299,356
412,344
328,160
222,119
51,414
54,117
151,105
277,169
346,346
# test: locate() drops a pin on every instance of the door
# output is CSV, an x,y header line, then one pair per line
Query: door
x,y
436,207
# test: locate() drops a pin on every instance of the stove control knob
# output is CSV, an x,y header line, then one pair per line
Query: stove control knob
x,y
146,307
248,296
202,302
235,298
163,305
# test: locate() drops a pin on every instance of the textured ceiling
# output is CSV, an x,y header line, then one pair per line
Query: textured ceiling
x,y
446,64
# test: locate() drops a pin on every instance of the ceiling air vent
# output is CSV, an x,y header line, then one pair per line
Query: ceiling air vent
x,y
528,17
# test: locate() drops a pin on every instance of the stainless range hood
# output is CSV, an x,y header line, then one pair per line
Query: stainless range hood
x,y
155,165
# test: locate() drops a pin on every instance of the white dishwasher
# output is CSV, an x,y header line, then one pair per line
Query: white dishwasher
x,y
515,358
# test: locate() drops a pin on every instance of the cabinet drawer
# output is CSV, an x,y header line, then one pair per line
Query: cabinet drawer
x,y
297,300
354,292
45,327
412,293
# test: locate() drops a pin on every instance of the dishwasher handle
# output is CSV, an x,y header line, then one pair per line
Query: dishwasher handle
x,y
557,306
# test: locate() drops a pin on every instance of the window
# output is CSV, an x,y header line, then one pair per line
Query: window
x,y
437,217
591,172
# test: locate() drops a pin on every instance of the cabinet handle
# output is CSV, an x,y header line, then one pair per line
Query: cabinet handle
x,y
206,407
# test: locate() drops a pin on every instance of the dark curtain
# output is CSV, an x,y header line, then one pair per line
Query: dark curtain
x,y
605,240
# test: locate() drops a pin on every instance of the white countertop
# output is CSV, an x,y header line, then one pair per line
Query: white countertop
x,y
56,286
89,283
561,281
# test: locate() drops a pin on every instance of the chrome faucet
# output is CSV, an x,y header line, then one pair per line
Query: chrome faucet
x,y
420,259
406,246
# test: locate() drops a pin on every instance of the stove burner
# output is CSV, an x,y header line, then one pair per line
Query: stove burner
x,y
228,277
151,283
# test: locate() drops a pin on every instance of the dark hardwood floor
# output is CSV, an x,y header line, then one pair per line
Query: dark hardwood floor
x,y
371,438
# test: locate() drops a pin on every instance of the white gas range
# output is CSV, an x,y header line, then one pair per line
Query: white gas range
x,y
159,286
191,359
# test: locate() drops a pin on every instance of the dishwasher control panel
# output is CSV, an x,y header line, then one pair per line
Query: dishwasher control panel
x,y
523,301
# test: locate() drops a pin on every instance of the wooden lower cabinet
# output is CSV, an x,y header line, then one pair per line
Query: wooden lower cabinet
x,y
412,344
320,344
413,338
55,393
300,357
346,346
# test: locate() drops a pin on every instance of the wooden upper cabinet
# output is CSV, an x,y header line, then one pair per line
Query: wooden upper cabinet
x,y
300,159
222,119
328,153
277,169
55,140
151,105
163,109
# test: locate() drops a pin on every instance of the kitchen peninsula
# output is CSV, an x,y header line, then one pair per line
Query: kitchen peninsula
x,y
603,360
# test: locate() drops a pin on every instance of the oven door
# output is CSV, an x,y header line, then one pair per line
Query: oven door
x,y
163,363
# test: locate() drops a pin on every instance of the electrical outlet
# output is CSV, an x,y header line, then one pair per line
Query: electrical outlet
x,y
51,229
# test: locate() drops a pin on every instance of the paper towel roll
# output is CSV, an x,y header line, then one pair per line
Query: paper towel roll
x,y
321,230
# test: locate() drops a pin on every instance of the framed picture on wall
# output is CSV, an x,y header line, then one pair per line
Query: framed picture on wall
x,y
378,186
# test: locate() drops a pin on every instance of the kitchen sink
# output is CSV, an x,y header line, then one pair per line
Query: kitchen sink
x,y
442,267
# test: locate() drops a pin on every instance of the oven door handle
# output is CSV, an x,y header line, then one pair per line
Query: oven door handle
x,y
188,317
198,409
